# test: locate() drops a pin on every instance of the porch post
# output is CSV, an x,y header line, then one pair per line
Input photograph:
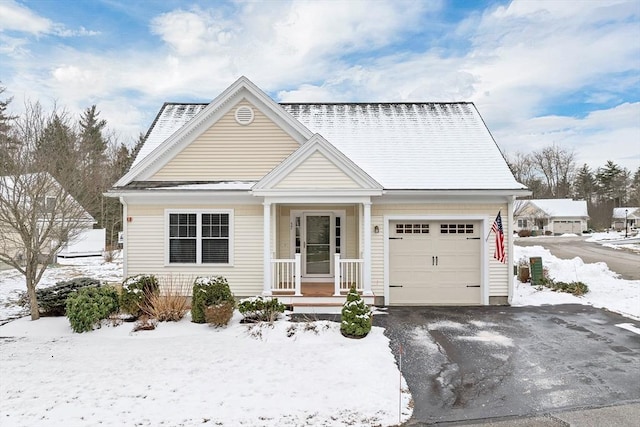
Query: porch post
x,y
298,274
336,276
266,236
367,249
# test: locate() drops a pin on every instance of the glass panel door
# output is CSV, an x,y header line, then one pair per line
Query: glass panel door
x,y
317,259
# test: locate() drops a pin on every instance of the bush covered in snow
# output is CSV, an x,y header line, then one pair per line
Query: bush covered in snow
x,y
212,292
356,316
137,292
52,301
87,307
260,309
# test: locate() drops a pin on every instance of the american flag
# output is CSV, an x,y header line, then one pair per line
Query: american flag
x,y
497,228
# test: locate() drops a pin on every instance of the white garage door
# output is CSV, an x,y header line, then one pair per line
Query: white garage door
x,y
563,227
434,262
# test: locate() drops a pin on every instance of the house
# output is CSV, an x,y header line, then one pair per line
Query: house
x,y
630,214
551,216
303,201
58,218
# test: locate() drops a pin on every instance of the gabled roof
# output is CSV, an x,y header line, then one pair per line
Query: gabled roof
x,y
184,122
561,207
434,146
630,211
401,146
362,182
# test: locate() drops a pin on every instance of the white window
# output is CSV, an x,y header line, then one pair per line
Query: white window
x,y
199,237
522,223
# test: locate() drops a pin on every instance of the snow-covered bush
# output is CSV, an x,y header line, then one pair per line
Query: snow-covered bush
x,y
137,292
356,316
52,301
212,292
87,307
260,309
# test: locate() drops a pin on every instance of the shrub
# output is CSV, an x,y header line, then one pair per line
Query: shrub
x,y
166,307
219,314
88,306
136,294
209,291
52,301
524,233
574,288
259,309
356,316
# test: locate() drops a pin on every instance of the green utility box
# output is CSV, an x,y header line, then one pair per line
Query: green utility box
x,y
535,270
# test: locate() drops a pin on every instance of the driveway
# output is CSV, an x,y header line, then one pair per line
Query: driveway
x,y
625,263
473,363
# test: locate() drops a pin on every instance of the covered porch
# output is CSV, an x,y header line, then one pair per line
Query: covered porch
x,y
315,252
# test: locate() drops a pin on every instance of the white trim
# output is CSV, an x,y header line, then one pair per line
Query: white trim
x,y
125,232
222,104
198,213
510,258
366,226
266,248
484,265
334,213
316,144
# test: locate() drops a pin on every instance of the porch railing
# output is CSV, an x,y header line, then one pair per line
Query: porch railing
x,y
286,275
348,273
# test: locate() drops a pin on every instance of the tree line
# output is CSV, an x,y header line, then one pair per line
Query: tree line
x,y
81,153
552,173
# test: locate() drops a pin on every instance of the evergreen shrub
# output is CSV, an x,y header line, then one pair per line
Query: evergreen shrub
x,y
356,316
137,292
211,292
260,309
52,301
88,306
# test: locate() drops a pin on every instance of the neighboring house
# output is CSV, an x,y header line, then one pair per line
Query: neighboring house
x,y
555,216
631,214
303,201
47,191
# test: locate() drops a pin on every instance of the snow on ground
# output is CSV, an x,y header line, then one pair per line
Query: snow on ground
x,y
606,289
184,374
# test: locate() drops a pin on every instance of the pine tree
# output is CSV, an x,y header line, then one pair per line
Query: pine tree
x,y
585,184
356,316
612,183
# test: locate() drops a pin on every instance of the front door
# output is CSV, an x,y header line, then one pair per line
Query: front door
x,y
317,246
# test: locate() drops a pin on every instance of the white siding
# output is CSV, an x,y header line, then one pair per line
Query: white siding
x,y
317,172
230,151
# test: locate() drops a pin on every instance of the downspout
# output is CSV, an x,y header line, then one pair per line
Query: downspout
x,y
510,257
125,232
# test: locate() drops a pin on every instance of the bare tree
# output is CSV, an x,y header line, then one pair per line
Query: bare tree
x,y
37,214
558,167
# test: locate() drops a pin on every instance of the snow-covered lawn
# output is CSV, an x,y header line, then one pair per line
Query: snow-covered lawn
x,y
184,374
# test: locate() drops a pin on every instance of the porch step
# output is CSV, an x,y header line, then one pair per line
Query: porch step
x,y
318,305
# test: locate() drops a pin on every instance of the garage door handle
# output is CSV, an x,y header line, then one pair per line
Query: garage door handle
x,y
395,286
434,260
473,286
395,238
473,238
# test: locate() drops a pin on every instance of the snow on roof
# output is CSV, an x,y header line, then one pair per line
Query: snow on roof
x,y
562,207
620,212
437,146
413,145
220,185
172,116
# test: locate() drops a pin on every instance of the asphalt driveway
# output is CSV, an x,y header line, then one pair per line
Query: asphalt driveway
x,y
474,363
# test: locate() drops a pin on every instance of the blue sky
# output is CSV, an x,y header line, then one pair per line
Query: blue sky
x,y
541,72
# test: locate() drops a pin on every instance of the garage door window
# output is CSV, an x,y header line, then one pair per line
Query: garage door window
x,y
412,228
456,228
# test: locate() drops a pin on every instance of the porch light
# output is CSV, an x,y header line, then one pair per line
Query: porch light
x,y
376,229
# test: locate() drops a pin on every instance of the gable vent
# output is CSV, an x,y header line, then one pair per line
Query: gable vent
x,y
244,115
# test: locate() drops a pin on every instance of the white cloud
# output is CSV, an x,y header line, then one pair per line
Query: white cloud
x,y
15,17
